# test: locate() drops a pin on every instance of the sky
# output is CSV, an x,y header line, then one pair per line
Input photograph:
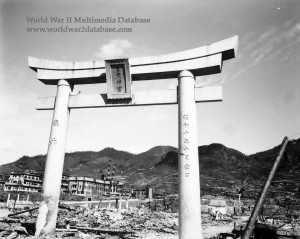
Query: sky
x,y
261,86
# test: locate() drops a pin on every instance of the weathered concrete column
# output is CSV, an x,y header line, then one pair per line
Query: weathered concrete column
x,y
120,204
127,202
46,221
189,182
8,200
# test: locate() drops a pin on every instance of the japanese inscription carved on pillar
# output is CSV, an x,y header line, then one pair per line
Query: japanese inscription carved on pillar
x,y
118,79
186,144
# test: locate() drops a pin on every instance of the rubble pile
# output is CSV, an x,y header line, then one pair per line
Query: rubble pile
x,y
11,230
169,204
88,221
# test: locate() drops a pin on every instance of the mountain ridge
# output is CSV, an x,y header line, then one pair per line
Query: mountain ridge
x,y
219,165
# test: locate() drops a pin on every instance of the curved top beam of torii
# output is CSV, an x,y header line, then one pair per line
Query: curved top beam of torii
x,y
203,60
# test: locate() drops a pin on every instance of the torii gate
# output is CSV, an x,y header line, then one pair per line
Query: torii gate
x,y
119,74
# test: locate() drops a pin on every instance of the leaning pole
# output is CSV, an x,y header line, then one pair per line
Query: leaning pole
x,y
118,75
46,221
188,163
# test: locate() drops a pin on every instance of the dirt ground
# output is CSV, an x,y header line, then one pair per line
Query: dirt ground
x,y
207,232
214,230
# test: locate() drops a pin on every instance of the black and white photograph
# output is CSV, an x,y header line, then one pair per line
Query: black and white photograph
x,y
158,119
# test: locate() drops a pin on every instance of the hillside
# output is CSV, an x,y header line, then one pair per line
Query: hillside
x,y
291,158
93,164
223,170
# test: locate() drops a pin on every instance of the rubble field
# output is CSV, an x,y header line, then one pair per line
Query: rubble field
x,y
89,222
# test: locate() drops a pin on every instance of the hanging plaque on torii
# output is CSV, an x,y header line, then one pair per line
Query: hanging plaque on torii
x,y
118,79
118,74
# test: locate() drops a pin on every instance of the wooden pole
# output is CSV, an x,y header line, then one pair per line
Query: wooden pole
x,y
8,200
262,196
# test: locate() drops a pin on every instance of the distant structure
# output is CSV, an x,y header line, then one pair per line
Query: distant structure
x,y
2,181
143,193
30,181
92,187
88,187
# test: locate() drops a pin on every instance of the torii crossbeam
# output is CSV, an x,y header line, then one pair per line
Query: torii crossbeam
x,y
119,74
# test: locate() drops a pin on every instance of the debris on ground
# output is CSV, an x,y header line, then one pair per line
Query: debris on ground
x,y
87,221
147,222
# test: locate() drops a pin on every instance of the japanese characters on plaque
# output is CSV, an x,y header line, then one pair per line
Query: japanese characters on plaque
x,y
118,79
186,146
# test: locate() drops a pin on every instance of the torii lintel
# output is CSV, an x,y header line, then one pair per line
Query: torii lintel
x,y
200,61
161,97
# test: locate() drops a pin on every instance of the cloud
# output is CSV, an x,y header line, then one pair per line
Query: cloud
x,y
294,31
7,145
289,96
229,129
276,44
115,48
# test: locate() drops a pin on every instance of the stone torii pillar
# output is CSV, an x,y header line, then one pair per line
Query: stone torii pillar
x,y
55,161
119,74
189,185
